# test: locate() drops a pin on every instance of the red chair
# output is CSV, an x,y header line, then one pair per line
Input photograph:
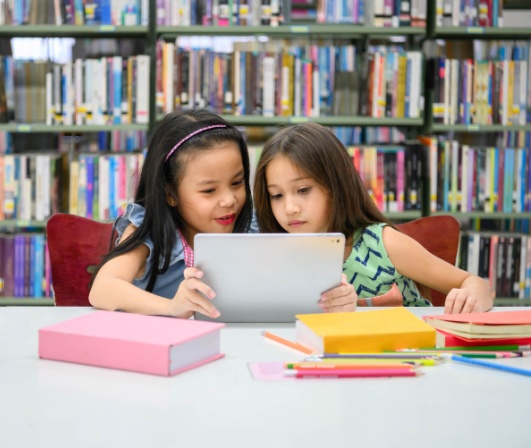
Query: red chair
x,y
440,236
76,245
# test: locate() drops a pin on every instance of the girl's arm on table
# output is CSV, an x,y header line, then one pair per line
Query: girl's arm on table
x,y
113,288
466,292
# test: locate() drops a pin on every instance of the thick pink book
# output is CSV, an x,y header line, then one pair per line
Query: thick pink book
x,y
148,344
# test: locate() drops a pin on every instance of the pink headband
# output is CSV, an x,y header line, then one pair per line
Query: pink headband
x,y
207,128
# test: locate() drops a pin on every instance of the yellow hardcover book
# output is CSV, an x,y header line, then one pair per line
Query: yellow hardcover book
x,y
364,332
401,86
73,196
287,85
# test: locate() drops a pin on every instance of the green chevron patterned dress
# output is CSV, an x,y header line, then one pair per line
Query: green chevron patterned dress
x,y
371,272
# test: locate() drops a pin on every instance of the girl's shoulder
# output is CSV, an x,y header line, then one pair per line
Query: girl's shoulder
x,y
134,214
373,230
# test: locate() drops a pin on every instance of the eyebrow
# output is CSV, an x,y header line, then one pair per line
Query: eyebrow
x,y
291,180
211,181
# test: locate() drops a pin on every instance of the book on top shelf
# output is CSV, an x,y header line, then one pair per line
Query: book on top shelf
x,y
147,344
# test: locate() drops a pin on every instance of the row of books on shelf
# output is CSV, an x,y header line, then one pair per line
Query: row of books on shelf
x,y
380,13
374,135
465,178
392,176
280,78
503,259
102,184
222,12
33,187
487,91
484,13
74,12
107,90
30,186
462,179
101,141
132,140
25,268
96,185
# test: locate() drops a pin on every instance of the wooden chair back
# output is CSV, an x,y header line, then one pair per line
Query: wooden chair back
x,y
439,234
76,245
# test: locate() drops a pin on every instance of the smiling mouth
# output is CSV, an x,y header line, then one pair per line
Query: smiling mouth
x,y
226,220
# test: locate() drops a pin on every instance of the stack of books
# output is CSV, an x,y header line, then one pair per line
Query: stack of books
x,y
482,329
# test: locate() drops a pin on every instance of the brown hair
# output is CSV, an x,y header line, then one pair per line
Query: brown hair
x,y
316,151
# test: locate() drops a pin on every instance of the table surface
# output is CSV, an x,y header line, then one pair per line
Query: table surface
x,y
48,403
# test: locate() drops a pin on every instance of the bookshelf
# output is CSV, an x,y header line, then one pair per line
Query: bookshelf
x,y
354,31
75,136
40,127
506,132
359,35
88,31
477,32
258,120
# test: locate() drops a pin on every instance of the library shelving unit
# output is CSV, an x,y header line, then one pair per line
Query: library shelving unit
x,y
490,131
153,33
117,32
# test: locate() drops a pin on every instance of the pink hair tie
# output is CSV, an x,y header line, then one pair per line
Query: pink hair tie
x,y
188,137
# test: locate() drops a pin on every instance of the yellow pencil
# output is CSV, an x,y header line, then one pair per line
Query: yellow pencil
x,y
423,362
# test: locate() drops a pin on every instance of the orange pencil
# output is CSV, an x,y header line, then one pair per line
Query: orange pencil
x,y
294,345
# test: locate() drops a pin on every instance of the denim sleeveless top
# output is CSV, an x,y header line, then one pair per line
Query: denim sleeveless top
x,y
166,284
371,272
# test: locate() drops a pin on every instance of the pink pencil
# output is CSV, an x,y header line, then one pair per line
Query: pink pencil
x,y
350,373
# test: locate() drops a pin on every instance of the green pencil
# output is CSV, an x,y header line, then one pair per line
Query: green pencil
x,y
464,353
487,348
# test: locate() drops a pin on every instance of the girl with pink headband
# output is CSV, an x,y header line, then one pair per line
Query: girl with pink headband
x,y
195,179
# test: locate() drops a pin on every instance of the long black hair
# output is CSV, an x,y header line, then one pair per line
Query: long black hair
x,y
159,176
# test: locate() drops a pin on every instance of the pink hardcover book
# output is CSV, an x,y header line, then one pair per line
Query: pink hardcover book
x,y
147,344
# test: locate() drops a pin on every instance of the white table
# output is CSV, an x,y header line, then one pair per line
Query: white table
x,y
53,404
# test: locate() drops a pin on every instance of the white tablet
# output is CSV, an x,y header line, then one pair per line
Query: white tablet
x,y
268,277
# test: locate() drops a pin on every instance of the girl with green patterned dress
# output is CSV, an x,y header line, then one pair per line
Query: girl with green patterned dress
x,y
306,182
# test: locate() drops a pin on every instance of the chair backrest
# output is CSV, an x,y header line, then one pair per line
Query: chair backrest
x,y
76,245
440,236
